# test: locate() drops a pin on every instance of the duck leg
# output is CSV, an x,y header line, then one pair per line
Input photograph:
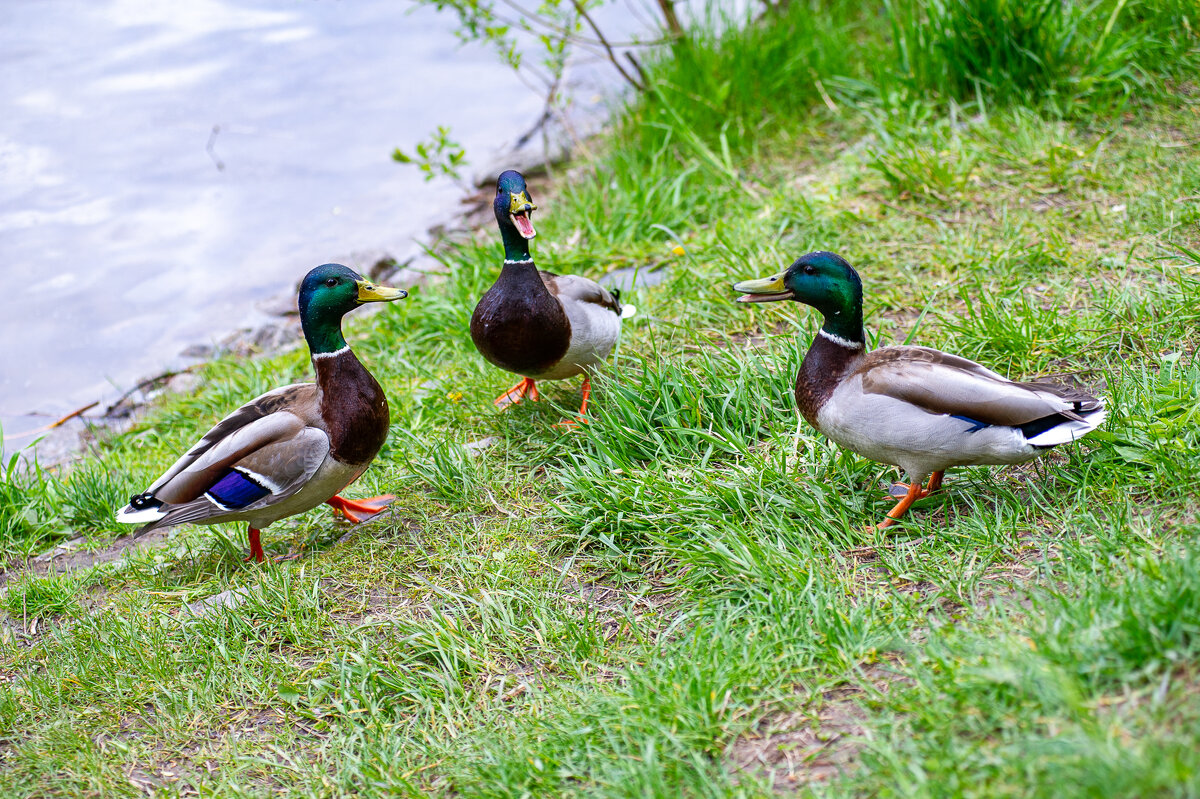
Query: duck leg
x,y
526,388
899,490
587,393
256,550
913,492
359,510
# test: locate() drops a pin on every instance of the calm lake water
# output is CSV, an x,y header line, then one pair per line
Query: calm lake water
x,y
122,243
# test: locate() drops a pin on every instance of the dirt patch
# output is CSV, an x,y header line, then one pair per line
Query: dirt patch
x,y
188,765
67,557
606,604
791,749
357,605
70,556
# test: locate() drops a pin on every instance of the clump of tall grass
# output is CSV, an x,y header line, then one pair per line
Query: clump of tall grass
x,y
1052,51
735,83
25,516
1155,433
1171,28
92,494
736,79
38,597
447,468
717,405
936,162
730,85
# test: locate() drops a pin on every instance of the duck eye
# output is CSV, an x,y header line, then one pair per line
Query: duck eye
x,y
331,282
808,270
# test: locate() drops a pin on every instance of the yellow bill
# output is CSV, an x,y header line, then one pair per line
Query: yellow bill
x,y
767,289
369,292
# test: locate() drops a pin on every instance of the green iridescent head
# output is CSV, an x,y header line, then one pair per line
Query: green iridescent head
x,y
514,214
328,293
820,279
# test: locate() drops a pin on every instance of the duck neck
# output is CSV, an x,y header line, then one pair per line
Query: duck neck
x,y
844,325
323,335
835,352
516,246
519,272
353,406
352,403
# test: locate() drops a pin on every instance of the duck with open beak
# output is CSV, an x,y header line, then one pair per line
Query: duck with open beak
x,y
537,324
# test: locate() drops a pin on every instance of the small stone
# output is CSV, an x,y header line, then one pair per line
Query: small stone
x,y
226,599
426,388
200,351
473,448
632,277
59,549
282,304
183,383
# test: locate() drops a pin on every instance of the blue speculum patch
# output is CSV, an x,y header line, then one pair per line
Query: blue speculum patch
x,y
978,425
237,490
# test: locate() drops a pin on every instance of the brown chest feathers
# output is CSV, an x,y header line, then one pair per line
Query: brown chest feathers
x,y
518,325
353,407
824,366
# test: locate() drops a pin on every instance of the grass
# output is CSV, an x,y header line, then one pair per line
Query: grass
x,y
43,596
686,597
1057,703
25,519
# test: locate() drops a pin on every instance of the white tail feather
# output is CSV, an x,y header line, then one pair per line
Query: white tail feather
x,y
1069,431
627,311
128,515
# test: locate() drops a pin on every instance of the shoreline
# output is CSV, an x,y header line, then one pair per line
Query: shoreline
x,y
275,326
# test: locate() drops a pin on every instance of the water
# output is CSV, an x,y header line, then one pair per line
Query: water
x,y
122,242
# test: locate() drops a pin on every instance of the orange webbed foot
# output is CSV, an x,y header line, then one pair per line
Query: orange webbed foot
x,y
526,388
359,510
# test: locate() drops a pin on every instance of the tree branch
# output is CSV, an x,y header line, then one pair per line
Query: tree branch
x,y
612,56
534,18
667,7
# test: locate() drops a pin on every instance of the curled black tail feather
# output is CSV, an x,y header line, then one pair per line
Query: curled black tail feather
x,y
144,501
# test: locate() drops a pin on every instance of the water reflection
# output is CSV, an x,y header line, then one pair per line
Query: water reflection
x,y
123,241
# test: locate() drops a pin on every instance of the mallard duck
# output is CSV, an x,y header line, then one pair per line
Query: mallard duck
x,y
914,407
537,324
293,448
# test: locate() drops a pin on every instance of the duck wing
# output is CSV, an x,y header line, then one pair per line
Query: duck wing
x,y
260,454
302,397
574,288
941,383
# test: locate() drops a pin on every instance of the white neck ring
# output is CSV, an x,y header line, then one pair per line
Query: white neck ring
x,y
841,342
317,356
